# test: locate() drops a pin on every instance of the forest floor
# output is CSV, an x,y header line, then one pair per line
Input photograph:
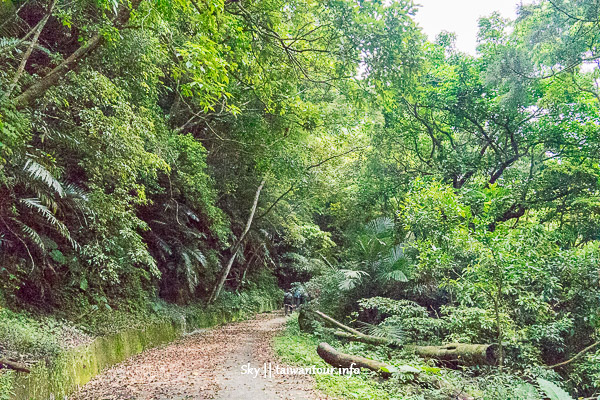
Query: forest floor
x,y
206,364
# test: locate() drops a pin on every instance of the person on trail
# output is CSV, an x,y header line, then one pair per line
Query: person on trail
x,y
298,296
288,302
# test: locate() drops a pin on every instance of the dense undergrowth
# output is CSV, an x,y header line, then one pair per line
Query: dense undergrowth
x,y
415,378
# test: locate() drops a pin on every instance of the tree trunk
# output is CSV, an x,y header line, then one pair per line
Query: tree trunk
x,y
13,365
219,286
459,353
365,338
342,360
37,31
372,340
53,77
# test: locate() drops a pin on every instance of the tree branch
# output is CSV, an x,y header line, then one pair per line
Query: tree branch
x,y
37,31
217,289
293,186
582,352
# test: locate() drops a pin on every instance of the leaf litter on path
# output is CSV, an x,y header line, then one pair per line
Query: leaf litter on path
x,y
205,365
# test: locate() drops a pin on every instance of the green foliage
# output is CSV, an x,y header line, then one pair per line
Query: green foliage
x,y
26,335
6,385
552,391
587,372
410,320
440,196
299,349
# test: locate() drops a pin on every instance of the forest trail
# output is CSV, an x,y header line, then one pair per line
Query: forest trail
x,y
206,364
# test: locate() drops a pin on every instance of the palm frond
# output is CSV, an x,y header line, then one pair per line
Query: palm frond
x,y
392,332
31,234
199,256
396,254
380,225
74,191
190,272
394,275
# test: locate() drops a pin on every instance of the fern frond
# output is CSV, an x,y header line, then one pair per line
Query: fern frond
x,y
190,273
351,279
8,44
199,256
40,173
75,192
35,205
31,234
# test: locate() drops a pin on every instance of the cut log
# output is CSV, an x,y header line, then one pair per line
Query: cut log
x,y
13,365
455,353
343,360
459,353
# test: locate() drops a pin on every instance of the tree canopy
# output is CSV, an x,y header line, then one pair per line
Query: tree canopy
x,y
171,148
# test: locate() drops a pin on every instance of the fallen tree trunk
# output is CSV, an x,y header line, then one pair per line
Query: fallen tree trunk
x,y
374,340
459,353
225,272
13,365
364,338
343,360
456,353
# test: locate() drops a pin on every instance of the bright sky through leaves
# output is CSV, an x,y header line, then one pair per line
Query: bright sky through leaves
x,y
460,17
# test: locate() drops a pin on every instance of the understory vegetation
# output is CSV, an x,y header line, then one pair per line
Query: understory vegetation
x,y
414,378
158,156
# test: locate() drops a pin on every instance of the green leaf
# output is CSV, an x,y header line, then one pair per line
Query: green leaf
x,y
552,391
58,256
389,369
526,391
431,370
408,369
83,284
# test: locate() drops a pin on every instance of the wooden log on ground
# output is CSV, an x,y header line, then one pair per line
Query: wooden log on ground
x,y
455,353
459,353
365,338
374,340
342,360
13,365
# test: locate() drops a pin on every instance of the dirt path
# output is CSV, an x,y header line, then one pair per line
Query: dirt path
x,y
207,364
